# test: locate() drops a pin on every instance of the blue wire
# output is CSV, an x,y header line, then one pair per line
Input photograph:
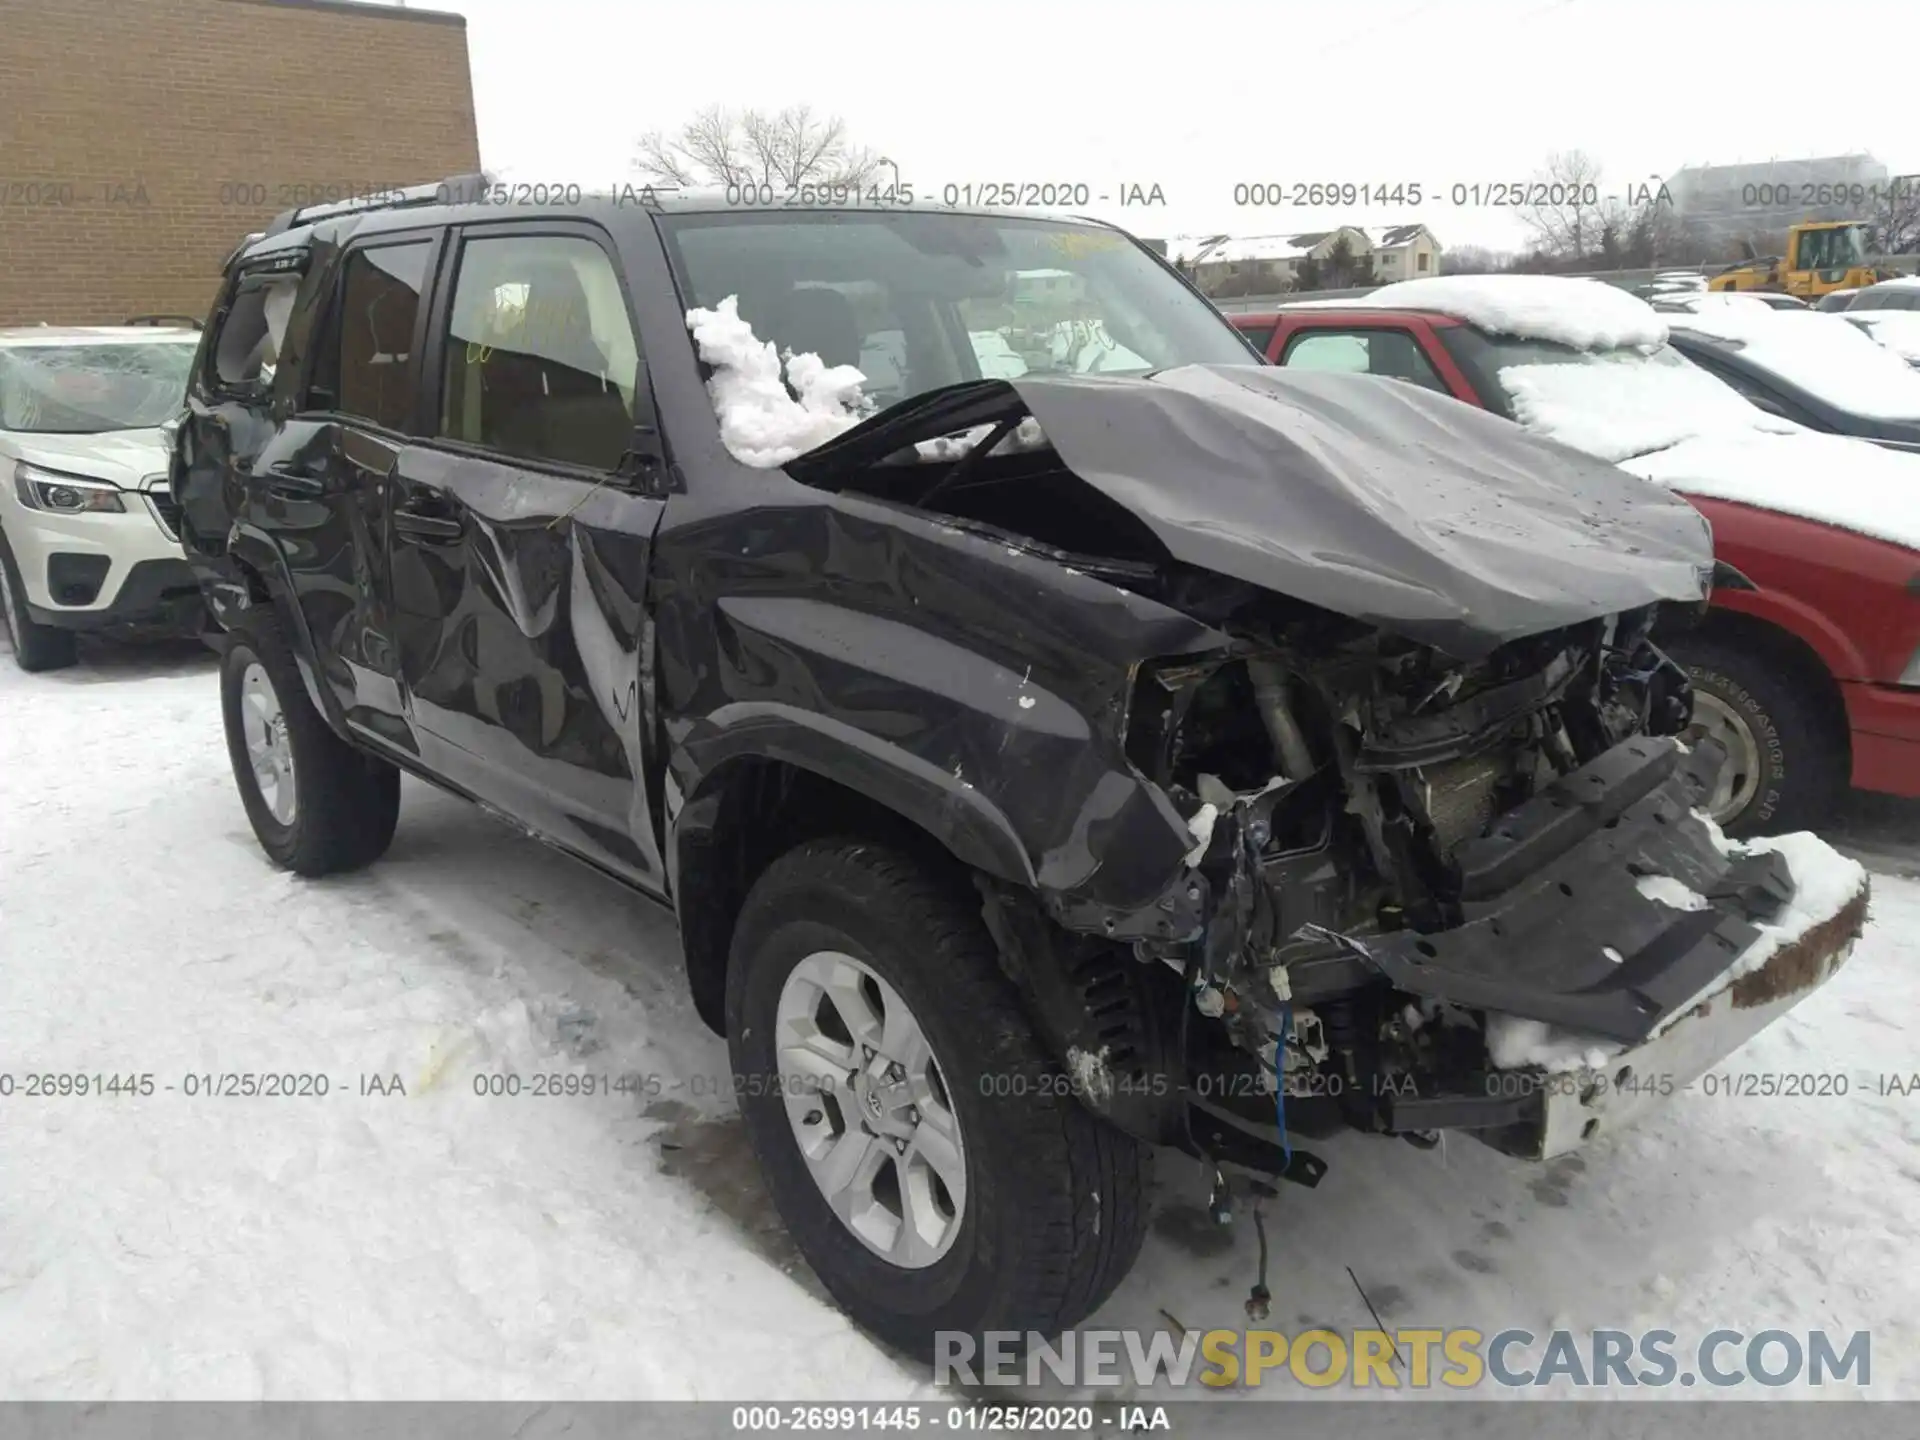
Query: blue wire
x,y
1280,1081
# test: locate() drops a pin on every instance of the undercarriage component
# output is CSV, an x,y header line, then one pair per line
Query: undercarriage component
x,y
1558,926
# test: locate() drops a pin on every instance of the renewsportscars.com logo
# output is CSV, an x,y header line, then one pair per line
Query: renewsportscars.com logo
x,y
1413,1359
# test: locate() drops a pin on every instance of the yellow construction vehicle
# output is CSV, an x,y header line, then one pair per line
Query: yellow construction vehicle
x,y
1822,255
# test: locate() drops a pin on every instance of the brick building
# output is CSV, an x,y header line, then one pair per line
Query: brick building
x,y
140,140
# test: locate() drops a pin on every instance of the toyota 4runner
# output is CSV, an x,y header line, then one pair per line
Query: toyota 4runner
x,y
1131,747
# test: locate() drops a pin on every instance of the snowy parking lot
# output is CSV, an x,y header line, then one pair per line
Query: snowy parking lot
x,y
409,1234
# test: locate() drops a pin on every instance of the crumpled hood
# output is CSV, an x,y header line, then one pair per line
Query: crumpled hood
x,y
1376,499
127,458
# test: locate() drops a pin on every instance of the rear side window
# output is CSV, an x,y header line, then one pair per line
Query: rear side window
x,y
1888,299
247,346
366,367
540,355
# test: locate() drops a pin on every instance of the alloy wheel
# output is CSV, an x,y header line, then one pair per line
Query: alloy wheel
x,y
269,750
870,1109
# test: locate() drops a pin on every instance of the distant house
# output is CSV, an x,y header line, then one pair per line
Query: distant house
x,y
1404,252
1266,264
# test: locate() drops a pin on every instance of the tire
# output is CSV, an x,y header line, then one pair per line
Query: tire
x,y
1055,1200
345,802
1797,764
35,647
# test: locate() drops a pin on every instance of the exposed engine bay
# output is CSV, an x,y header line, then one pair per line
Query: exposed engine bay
x,y
1423,765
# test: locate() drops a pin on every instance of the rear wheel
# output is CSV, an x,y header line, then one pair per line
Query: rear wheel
x,y
926,1153
1785,768
35,647
317,805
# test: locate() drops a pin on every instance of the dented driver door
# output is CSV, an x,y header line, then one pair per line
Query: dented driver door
x,y
520,541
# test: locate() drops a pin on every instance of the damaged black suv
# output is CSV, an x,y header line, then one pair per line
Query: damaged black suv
x,y
1061,739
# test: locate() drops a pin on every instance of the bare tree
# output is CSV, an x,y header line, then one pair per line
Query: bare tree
x,y
1895,220
1568,224
1476,260
1637,232
753,147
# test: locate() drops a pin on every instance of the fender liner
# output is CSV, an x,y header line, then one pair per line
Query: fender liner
x,y
252,548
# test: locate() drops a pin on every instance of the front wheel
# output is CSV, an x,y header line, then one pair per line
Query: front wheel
x,y
928,1156
35,647
317,805
1785,768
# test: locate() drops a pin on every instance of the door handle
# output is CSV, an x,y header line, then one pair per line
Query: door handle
x,y
423,527
294,483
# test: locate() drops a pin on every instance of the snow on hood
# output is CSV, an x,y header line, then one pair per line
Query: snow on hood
x,y
1673,423
1898,330
1585,314
1821,353
1616,408
127,458
761,423
1834,479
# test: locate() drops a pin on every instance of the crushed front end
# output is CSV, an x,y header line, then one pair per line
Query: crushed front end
x,y
1402,836
1441,895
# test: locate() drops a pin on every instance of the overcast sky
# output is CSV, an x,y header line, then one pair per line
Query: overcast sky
x,y
1197,97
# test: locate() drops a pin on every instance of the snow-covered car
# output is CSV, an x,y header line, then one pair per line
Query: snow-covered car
x,y
1889,313
1711,301
1813,369
88,531
1808,665
1042,770
1897,330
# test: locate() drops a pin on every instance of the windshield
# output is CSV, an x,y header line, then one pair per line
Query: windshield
x,y
87,389
919,301
1839,249
1614,404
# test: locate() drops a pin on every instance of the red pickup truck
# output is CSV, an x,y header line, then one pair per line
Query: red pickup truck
x,y
1808,664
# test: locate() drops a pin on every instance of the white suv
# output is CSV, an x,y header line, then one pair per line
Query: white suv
x,y
88,529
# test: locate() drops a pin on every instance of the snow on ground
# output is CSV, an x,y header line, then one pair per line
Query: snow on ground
x,y
1582,313
1821,353
436,1244
443,1244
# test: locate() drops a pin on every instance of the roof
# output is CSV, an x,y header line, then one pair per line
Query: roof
x,y
365,10
19,335
1764,169
450,202
1257,247
1394,236
1581,313
1898,282
1275,247
1373,313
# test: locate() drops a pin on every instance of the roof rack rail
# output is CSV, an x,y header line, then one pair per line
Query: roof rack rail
x,y
180,320
455,190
